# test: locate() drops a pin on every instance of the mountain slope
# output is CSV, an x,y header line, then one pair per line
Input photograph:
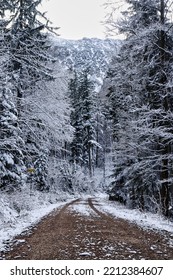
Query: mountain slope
x,y
92,54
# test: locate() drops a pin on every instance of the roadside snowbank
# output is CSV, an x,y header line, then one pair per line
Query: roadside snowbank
x,y
22,210
143,219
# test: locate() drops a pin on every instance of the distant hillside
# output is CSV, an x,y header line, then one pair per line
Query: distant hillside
x,y
94,54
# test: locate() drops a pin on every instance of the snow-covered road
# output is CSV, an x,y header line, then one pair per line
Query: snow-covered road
x,y
94,228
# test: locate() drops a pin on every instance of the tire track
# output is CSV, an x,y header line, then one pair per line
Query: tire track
x,y
64,208
90,202
101,214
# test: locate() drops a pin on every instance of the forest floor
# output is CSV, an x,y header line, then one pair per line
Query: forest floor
x,y
71,234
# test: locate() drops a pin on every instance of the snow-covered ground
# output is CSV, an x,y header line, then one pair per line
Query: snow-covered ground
x,y
143,219
18,212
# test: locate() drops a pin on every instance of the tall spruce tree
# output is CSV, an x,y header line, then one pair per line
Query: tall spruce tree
x,y
83,119
76,121
89,135
11,143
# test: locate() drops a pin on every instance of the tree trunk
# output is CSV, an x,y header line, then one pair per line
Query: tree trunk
x,y
97,139
89,160
164,192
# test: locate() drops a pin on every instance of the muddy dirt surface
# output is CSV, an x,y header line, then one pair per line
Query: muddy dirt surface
x,y
72,235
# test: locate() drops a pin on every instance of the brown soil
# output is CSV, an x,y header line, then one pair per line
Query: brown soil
x,y
66,234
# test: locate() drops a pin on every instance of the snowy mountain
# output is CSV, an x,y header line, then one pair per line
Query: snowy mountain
x,y
92,54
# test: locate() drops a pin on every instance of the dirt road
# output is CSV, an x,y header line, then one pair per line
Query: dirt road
x,y
70,234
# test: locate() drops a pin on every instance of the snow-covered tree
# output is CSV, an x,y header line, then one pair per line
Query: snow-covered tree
x,y
88,121
141,98
47,120
28,47
83,119
11,143
76,121
28,66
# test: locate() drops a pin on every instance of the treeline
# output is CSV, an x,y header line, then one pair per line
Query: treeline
x,y
139,88
88,119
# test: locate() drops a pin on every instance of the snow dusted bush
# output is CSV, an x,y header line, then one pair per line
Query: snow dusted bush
x,y
41,172
14,206
73,179
7,213
66,177
22,209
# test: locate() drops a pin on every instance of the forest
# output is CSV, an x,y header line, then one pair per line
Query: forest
x,y
57,132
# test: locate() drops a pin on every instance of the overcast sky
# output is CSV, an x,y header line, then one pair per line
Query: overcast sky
x,y
77,18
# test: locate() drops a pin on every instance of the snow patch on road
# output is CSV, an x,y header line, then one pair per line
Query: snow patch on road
x,y
82,208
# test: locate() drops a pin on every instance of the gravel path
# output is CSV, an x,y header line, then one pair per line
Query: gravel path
x,y
70,234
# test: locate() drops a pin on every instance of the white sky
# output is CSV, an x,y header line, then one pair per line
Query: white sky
x,y
77,18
